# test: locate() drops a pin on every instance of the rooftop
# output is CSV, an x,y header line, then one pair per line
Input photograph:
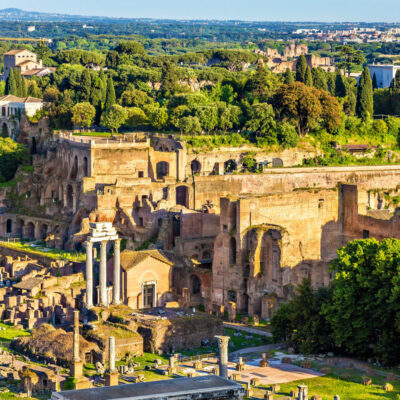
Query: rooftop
x,y
173,388
130,258
16,99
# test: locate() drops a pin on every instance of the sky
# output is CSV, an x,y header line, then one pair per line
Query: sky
x,y
254,10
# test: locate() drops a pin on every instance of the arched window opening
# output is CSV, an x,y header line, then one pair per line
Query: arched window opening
x,y
195,284
162,169
182,196
232,251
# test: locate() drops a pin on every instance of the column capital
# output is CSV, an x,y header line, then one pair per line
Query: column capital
x,y
223,340
88,243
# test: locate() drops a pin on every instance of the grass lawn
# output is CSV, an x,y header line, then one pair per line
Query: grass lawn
x,y
328,386
56,254
10,333
95,134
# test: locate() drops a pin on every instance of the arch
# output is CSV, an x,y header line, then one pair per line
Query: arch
x,y
231,295
232,251
70,196
43,231
206,255
85,166
230,166
20,227
195,284
277,162
182,196
74,170
195,166
30,230
162,169
9,225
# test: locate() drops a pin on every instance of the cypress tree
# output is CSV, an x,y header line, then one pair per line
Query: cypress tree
x,y
11,87
110,95
308,79
340,85
103,77
374,82
365,101
319,78
288,77
331,84
24,90
395,84
86,84
301,69
18,82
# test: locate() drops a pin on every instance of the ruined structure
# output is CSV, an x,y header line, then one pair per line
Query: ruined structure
x,y
191,228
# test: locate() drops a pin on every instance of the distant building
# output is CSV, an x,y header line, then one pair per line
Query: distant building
x,y
31,28
384,74
13,105
26,62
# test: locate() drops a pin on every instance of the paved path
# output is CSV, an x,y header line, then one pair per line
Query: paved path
x,y
248,329
258,349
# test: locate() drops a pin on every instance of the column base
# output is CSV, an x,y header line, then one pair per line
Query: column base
x,y
112,378
115,302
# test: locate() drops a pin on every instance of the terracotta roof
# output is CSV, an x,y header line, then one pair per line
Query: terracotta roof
x,y
380,214
35,71
130,258
16,99
17,51
27,62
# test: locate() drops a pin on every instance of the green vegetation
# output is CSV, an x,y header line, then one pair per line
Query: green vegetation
x,y
12,154
56,254
10,333
357,314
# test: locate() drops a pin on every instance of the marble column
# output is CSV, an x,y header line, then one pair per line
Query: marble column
x,y
103,273
111,353
223,355
117,272
89,274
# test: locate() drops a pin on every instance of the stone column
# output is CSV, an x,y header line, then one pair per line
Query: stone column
x,y
75,354
303,392
103,273
117,272
111,353
223,355
74,202
89,274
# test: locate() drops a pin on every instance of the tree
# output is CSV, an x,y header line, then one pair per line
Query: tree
x,y
24,90
288,77
114,117
395,84
169,79
308,79
365,102
208,117
262,84
374,82
83,114
135,98
331,81
299,104
349,58
131,47
261,121
340,85
301,69
11,85
287,135
302,323
110,95
158,117
365,306
136,117
18,82
229,118
86,85
190,125
319,78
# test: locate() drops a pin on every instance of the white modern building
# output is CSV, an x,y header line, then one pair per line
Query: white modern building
x,y
384,74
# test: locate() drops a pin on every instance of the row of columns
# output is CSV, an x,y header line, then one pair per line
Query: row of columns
x,y
103,301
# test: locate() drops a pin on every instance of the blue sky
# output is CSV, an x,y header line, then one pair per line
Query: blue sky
x,y
265,10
